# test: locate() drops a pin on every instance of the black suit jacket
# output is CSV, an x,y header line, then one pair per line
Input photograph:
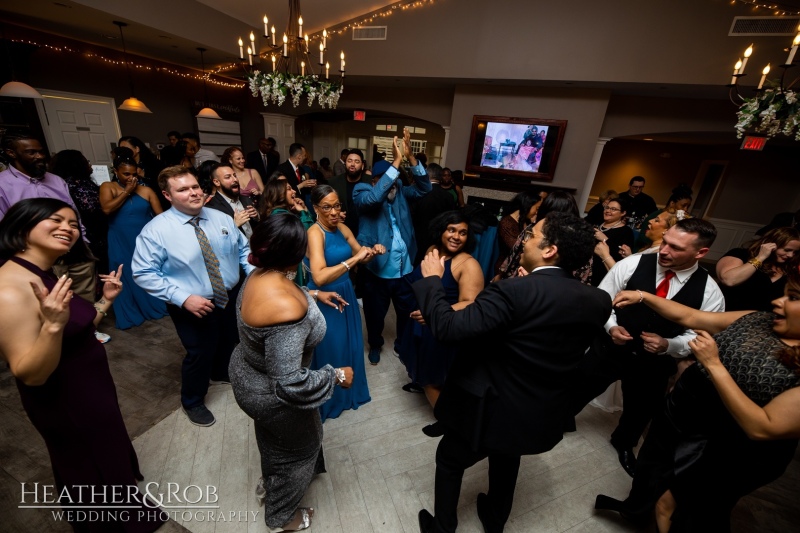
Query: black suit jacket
x,y
254,161
221,204
287,170
509,387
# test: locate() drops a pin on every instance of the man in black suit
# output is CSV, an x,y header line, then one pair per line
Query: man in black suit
x,y
426,208
291,169
507,392
229,201
265,160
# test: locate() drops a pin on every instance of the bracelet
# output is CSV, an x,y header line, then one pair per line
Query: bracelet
x,y
606,259
755,262
346,265
641,296
316,295
339,375
100,311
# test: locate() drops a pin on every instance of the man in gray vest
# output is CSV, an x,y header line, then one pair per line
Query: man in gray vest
x,y
642,348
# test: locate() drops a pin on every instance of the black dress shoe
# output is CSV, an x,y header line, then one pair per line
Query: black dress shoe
x,y
627,459
434,430
607,503
481,504
425,521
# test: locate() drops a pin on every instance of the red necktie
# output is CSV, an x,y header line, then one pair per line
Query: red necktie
x,y
663,288
299,176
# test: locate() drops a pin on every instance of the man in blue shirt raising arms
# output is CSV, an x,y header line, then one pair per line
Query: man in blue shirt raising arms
x,y
189,256
385,218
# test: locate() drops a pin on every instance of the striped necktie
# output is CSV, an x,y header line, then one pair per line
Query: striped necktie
x,y
212,265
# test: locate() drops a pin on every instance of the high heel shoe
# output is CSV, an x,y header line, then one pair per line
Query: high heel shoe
x,y
305,516
607,503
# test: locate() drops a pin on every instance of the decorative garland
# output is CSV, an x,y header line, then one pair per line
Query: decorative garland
x,y
274,87
771,112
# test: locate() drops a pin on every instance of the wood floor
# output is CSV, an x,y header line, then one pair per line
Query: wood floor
x,y
380,465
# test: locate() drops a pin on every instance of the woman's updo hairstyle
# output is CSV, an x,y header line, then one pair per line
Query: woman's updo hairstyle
x,y
278,243
319,192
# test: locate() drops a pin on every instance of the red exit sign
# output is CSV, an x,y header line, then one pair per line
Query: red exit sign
x,y
359,115
753,143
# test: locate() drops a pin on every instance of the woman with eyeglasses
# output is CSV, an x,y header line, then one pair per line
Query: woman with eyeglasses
x,y
332,252
129,207
612,234
595,214
656,227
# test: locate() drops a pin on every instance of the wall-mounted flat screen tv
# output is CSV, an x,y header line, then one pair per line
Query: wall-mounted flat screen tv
x,y
522,147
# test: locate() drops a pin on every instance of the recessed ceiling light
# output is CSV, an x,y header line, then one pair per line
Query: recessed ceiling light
x,y
647,139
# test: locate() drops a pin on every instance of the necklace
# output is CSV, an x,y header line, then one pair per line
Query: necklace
x,y
289,274
616,224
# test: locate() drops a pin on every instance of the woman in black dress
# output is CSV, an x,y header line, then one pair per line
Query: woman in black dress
x,y
47,339
611,235
732,422
753,276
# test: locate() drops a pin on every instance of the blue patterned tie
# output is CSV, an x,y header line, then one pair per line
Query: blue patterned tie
x,y
212,265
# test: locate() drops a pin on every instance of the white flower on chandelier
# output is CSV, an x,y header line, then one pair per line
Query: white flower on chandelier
x,y
274,87
774,111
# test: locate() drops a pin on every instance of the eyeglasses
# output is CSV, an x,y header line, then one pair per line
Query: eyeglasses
x,y
528,235
612,209
327,208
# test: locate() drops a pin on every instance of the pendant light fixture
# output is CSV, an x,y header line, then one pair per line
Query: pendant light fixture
x,y
206,112
132,103
14,88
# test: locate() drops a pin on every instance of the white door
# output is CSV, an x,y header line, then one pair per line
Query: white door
x,y
79,122
280,128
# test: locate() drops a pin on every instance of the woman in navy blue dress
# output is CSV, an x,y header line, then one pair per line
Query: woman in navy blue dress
x,y
332,252
427,360
130,207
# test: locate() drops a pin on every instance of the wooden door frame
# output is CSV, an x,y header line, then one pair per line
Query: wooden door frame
x,y
45,123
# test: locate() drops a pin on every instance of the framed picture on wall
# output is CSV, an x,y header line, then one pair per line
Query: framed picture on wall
x,y
511,146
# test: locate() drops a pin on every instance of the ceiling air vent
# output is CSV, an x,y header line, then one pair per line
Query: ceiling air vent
x,y
764,26
369,33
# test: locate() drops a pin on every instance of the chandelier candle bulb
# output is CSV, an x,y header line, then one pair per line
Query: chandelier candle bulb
x,y
266,28
273,35
325,38
342,58
302,68
793,50
327,70
736,68
321,52
747,54
305,38
241,50
250,55
273,63
253,41
763,76
300,24
285,46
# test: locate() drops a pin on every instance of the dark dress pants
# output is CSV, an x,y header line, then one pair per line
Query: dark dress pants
x,y
453,456
378,292
209,343
644,384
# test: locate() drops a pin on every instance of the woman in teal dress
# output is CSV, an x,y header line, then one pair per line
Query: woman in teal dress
x,y
130,206
279,197
332,252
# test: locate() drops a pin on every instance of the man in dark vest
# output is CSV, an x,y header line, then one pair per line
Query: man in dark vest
x,y
642,348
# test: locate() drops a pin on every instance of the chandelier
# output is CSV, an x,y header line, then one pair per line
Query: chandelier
x,y
774,110
296,71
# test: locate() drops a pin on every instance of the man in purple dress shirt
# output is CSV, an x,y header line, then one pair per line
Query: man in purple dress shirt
x,y
27,177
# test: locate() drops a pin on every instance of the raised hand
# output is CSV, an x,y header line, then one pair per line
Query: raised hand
x,y
54,304
112,284
766,250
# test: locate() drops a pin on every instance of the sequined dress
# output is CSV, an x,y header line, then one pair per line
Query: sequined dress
x,y
272,383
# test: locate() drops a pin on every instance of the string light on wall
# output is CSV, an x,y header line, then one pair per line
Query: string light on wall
x,y
778,8
774,109
14,88
293,65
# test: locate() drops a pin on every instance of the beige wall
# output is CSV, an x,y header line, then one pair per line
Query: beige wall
x,y
583,109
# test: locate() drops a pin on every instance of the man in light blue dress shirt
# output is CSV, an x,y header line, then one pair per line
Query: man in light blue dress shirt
x,y
385,218
168,263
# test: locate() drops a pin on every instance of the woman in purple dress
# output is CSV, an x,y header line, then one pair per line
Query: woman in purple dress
x,y
61,370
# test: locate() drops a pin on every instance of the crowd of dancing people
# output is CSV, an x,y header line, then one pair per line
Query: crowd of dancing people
x,y
267,268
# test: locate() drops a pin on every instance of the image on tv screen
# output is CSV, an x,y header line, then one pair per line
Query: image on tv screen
x,y
513,146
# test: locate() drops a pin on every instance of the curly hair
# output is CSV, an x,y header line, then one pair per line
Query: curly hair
x,y
790,355
781,237
274,197
573,236
227,155
439,224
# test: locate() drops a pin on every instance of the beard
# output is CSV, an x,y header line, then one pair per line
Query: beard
x,y
353,175
230,192
35,170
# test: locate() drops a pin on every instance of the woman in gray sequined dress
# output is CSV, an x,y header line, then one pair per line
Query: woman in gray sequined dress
x,y
732,422
279,326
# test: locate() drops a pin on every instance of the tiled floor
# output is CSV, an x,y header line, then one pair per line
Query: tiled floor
x,y
380,465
